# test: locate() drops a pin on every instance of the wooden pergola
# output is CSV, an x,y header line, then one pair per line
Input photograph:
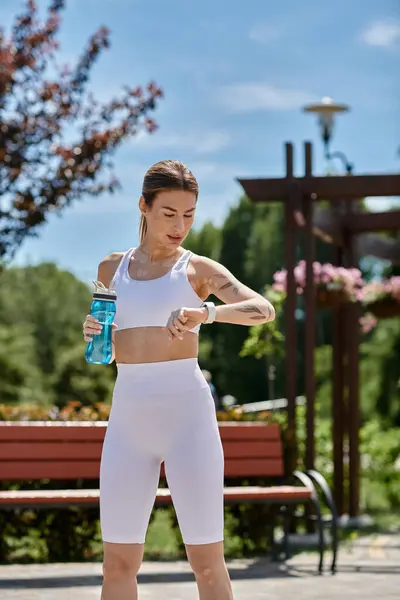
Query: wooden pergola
x,y
349,232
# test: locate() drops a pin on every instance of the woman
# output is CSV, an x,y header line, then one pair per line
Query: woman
x,y
162,407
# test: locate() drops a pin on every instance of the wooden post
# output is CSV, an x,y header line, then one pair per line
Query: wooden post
x,y
353,386
290,310
354,416
338,401
310,315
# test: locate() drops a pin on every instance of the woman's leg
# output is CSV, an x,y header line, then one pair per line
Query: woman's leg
x,y
120,568
209,568
129,475
194,468
128,486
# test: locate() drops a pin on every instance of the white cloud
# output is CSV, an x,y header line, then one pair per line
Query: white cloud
x,y
248,97
264,34
196,142
385,33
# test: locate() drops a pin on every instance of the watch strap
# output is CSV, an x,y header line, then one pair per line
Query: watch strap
x,y
212,312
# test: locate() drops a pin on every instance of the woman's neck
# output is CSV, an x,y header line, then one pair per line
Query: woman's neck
x,y
154,252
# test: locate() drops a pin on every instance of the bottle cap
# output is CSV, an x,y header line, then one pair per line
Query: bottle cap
x,y
103,293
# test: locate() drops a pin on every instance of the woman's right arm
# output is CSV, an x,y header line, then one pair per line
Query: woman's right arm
x,y
105,273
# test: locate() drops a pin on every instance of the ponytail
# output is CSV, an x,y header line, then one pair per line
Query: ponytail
x,y
142,228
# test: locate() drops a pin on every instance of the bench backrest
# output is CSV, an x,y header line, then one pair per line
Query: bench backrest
x,y
60,450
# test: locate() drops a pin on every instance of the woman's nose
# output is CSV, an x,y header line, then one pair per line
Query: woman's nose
x,y
179,225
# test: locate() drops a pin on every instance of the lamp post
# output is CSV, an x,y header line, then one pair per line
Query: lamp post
x,y
326,111
345,350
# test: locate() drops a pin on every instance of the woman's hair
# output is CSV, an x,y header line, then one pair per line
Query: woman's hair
x,y
164,176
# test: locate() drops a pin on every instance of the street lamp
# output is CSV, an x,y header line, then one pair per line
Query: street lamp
x,y
326,111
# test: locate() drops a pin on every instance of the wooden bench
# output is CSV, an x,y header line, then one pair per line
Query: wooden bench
x,y
31,451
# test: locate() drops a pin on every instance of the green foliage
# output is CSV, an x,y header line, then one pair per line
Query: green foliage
x,y
48,300
380,459
42,309
267,339
20,377
380,455
205,241
75,379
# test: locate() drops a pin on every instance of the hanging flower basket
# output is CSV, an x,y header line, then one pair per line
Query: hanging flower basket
x,y
382,298
385,308
331,298
334,285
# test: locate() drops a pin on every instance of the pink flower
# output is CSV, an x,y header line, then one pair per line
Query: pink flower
x,y
378,290
368,322
300,274
280,276
324,275
279,287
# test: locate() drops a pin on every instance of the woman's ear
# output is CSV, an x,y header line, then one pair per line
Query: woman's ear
x,y
142,206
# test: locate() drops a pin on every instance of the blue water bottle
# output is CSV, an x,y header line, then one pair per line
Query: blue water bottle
x,y
103,308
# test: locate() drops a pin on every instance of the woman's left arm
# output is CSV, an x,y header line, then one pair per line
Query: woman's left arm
x,y
242,305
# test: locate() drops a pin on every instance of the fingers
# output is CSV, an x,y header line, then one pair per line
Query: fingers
x,y
176,324
176,329
182,315
91,327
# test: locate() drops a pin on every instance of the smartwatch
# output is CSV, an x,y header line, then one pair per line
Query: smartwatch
x,y
211,310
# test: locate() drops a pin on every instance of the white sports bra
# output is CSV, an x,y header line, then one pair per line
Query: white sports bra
x,y
149,303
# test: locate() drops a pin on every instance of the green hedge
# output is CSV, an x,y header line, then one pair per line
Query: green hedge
x,y
100,411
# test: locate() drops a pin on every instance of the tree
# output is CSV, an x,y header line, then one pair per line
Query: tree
x,y
42,349
41,104
20,377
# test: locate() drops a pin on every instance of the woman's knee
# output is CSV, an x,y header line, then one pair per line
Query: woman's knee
x,y
121,561
207,562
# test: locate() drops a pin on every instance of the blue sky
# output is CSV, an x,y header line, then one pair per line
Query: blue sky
x,y
235,76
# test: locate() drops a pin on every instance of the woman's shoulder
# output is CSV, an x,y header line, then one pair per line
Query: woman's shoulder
x,y
112,259
202,263
107,267
203,268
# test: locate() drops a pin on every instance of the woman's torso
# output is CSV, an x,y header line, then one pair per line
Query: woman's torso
x,y
146,296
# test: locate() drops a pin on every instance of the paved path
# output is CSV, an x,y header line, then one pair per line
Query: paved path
x,y
368,569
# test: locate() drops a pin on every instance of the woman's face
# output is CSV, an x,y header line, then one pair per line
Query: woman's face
x,y
170,217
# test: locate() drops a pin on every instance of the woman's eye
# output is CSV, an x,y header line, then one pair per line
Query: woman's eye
x,y
168,215
188,216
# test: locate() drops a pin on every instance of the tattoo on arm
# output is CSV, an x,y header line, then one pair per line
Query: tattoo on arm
x,y
251,308
226,283
221,282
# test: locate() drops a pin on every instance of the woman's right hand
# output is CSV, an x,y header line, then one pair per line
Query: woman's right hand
x,y
90,328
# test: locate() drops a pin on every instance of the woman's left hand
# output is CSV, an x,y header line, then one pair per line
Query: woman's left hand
x,y
183,320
